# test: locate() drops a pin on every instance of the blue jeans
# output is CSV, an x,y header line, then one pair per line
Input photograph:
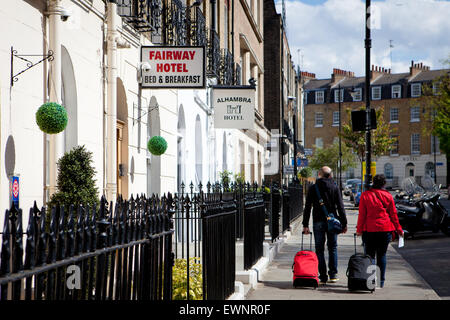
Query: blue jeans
x,y
320,230
376,245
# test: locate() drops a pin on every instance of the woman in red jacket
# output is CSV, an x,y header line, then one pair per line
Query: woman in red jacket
x,y
377,220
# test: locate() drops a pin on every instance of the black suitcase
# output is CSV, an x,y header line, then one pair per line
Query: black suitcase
x,y
359,271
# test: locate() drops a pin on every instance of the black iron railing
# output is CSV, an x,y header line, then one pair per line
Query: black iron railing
x,y
81,253
253,227
196,24
213,55
237,74
219,246
143,15
226,67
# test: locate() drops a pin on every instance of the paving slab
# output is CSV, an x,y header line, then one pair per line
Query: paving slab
x,y
402,281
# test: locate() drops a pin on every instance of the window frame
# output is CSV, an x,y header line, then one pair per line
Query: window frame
x,y
335,124
390,115
340,97
411,113
322,95
396,86
373,88
391,176
318,125
359,94
413,135
396,144
315,142
438,149
418,85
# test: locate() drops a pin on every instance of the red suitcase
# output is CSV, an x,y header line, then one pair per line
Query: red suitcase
x,y
306,268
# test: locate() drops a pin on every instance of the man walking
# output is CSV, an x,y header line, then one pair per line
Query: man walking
x,y
332,199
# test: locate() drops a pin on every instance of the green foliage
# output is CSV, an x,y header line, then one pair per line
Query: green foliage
x,y
381,141
225,177
305,172
157,145
239,178
76,183
51,118
179,279
330,157
438,104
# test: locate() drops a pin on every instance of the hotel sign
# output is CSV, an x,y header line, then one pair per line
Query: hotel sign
x,y
173,67
234,107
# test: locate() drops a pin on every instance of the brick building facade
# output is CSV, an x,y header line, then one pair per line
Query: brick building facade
x,y
405,109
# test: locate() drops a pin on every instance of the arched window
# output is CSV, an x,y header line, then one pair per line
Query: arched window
x,y
389,171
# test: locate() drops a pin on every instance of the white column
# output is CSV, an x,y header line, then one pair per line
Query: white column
x,y
111,103
56,145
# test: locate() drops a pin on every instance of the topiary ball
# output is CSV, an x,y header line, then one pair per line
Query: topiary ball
x,y
51,118
157,145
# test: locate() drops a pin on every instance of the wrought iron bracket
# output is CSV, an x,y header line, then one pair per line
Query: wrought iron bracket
x,y
30,64
143,115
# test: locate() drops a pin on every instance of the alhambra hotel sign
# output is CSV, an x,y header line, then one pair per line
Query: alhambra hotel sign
x,y
173,67
234,107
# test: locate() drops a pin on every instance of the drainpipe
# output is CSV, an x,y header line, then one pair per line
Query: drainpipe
x,y
56,145
111,101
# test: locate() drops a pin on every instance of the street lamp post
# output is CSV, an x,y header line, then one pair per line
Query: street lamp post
x,y
368,45
340,143
294,99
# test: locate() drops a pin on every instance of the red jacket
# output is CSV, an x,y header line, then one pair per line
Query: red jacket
x,y
373,217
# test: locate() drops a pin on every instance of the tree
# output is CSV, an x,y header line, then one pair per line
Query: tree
x,y
330,157
381,141
438,105
76,183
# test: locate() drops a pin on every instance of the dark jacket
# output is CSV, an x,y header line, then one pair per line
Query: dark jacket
x,y
332,199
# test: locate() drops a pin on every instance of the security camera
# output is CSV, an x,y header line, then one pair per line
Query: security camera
x,y
65,14
146,67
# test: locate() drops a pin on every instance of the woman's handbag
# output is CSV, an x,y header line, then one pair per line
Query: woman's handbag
x,y
334,225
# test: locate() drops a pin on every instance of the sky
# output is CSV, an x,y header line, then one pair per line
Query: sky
x,y
327,34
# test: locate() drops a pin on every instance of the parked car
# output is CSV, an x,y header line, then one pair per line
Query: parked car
x,y
357,196
350,185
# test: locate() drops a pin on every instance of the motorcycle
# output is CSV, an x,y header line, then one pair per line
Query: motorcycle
x,y
419,209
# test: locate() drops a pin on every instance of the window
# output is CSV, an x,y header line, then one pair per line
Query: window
x,y
415,114
319,97
416,90
335,118
394,149
415,143
376,93
436,89
339,96
394,115
319,119
435,145
388,171
335,140
357,94
396,91
429,169
319,143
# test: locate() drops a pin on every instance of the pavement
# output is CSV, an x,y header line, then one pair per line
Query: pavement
x,y
275,281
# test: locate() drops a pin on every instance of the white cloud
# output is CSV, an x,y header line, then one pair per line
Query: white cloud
x,y
331,34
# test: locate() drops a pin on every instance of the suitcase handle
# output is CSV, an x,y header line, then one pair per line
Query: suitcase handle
x,y
354,240
310,240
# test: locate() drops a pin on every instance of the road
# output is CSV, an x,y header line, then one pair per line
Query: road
x,y
429,255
